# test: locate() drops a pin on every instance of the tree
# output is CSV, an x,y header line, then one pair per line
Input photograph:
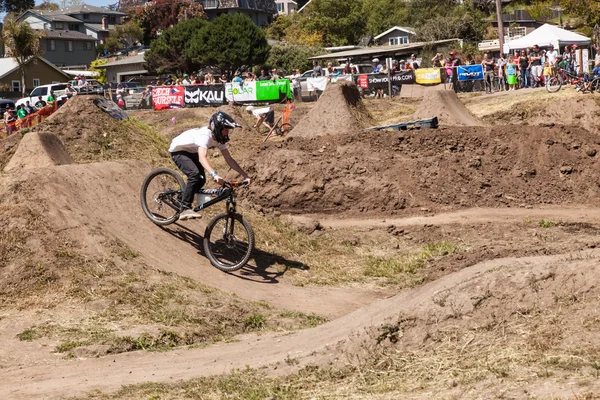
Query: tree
x,y
124,36
95,66
156,16
461,22
47,5
22,43
289,56
69,3
485,6
382,15
230,42
588,11
16,6
169,53
340,22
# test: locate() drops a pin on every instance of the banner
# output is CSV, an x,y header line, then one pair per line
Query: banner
x,y
273,90
135,101
239,92
167,97
318,83
366,81
427,76
470,72
204,95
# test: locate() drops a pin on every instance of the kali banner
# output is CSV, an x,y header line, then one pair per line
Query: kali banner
x,y
367,81
470,72
167,97
428,76
204,95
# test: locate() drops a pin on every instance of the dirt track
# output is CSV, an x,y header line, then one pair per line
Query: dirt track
x,y
447,107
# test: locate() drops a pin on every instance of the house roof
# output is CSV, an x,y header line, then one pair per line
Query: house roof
x,y
87,9
51,16
9,65
304,6
379,50
125,61
72,35
98,27
396,28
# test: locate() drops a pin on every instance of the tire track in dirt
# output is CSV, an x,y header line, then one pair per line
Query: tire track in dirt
x,y
109,373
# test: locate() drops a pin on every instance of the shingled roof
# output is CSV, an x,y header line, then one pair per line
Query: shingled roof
x,y
71,35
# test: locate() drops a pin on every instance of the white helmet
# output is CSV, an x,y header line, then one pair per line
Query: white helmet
x,y
249,108
376,60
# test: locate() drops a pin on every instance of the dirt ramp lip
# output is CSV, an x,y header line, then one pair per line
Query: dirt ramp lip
x,y
38,150
447,107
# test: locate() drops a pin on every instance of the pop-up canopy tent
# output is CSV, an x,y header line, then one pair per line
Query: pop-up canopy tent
x,y
546,35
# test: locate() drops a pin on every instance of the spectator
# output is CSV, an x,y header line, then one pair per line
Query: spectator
x,y
265,116
223,78
9,121
407,66
402,65
81,81
377,67
317,69
597,57
296,87
29,108
523,63
146,97
51,99
511,73
501,63
186,80
395,66
70,90
249,77
488,72
237,78
275,74
40,103
451,65
158,82
209,79
535,58
263,75
414,63
552,56
437,60
120,90
21,112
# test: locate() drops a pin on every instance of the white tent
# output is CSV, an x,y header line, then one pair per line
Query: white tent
x,y
546,35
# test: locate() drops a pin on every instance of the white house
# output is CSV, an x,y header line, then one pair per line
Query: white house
x,y
285,7
396,36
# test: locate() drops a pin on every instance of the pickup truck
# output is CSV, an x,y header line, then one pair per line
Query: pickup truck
x,y
44,91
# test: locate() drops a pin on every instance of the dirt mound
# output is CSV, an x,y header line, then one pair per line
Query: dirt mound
x,y
447,107
8,147
89,134
339,110
38,150
582,111
437,169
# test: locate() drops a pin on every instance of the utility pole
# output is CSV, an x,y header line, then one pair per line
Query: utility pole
x,y
500,25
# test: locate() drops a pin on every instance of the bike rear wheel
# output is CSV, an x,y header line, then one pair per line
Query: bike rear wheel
x,y
228,241
161,196
553,84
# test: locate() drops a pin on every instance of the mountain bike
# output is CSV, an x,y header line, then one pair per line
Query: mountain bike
x,y
555,82
228,238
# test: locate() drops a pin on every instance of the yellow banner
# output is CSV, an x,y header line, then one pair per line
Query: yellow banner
x,y
427,76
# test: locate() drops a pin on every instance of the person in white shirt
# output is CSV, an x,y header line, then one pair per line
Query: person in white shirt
x,y
551,56
189,152
265,116
186,80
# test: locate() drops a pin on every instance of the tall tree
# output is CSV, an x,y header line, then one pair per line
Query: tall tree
x,y
588,11
169,53
289,56
22,43
124,36
230,42
156,16
341,22
16,6
47,5
382,15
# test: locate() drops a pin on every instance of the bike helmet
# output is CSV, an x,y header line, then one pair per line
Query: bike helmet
x,y
218,122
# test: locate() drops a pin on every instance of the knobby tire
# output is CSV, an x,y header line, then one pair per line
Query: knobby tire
x,y
224,251
176,185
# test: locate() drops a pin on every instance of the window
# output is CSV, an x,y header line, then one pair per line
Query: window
x,y
36,82
86,16
69,45
280,7
398,40
16,86
51,46
112,19
87,45
211,3
74,27
59,25
516,32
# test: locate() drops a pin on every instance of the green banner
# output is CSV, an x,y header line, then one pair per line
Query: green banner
x,y
273,90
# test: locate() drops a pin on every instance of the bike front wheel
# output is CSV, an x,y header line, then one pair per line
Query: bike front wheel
x,y
228,241
553,84
161,196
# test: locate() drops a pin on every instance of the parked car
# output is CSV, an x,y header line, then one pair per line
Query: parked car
x,y
6,104
311,96
44,91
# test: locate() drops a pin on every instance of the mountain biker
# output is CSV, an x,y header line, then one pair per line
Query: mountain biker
x,y
189,152
264,116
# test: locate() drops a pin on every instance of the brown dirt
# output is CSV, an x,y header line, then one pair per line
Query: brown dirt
x,y
437,169
447,107
339,110
8,147
38,150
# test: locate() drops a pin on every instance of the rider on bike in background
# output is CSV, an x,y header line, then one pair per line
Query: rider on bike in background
x,y
189,152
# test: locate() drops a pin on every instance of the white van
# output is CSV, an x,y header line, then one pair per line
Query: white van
x,y
58,88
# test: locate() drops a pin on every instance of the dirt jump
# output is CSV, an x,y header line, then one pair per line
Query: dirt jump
x,y
38,150
447,107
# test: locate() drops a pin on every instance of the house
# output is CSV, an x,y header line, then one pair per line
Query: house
x,y
63,48
518,24
396,35
38,71
285,7
260,11
126,67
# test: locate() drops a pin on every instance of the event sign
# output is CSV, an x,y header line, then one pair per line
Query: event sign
x,y
470,72
167,97
428,76
366,81
273,90
317,83
204,95
240,91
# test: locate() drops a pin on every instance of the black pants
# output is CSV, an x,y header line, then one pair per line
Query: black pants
x,y
270,117
190,165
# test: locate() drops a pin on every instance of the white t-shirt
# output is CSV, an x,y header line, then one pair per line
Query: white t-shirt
x,y
551,56
258,112
191,139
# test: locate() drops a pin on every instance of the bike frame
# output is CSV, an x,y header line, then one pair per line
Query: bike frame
x,y
226,194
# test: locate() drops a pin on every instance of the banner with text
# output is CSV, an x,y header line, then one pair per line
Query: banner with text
x,y
369,81
258,91
204,95
167,97
428,76
470,72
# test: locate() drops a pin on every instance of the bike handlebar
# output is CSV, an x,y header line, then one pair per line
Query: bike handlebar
x,y
235,184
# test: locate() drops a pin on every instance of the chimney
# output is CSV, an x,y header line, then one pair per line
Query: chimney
x,y
104,22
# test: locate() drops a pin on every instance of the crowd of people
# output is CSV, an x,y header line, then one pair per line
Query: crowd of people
x,y
23,111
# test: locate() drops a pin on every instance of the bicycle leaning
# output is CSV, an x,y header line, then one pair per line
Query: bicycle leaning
x,y
228,239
